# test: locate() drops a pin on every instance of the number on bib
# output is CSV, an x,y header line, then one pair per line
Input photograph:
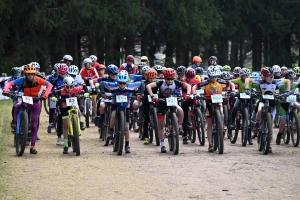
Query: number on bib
x,y
71,101
271,97
201,91
244,96
291,98
216,98
150,99
27,99
121,98
172,101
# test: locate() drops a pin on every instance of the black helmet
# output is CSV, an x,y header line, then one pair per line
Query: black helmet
x,y
181,70
199,71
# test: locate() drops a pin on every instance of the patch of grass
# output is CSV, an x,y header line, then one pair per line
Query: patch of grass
x,y
5,119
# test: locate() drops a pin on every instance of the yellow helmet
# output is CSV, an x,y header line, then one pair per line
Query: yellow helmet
x,y
29,68
144,58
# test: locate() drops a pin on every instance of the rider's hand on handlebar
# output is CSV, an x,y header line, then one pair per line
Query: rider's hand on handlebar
x,y
247,92
54,99
154,99
138,97
4,92
187,97
286,94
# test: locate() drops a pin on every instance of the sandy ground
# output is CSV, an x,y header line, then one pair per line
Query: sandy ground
x,y
98,173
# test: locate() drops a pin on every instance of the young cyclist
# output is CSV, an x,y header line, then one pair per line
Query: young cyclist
x,y
100,70
94,60
297,72
166,88
68,90
226,68
268,86
67,59
283,70
128,66
211,86
38,67
122,87
145,59
277,72
31,86
73,72
140,67
196,62
180,72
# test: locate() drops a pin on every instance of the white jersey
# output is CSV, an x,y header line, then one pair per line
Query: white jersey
x,y
78,80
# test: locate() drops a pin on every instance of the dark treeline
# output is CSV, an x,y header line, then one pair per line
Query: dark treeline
x,y
45,30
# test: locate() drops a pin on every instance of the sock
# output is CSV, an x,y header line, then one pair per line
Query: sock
x,y
32,147
126,143
162,141
180,125
66,142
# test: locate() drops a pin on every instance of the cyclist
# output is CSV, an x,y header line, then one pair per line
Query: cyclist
x,y
73,72
197,60
211,86
180,72
236,72
277,72
112,71
128,66
94,60
267,86
38,67
213,62
140,67
159,70
167,87
191,80
283,69
297,72
31,86
122,87
67,59
100,70
145,59
226,68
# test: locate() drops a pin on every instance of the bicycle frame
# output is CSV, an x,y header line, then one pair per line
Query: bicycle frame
x,y
73,112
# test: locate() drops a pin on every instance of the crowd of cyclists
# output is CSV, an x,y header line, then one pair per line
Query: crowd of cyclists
x,y
142,84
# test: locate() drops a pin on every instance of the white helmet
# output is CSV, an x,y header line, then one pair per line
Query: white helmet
x,y
36,65
276,68
68,81
68,58
213,71
145,68
245,71
87,60
93,58
73,70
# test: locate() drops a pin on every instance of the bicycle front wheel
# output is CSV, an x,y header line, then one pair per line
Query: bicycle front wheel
x,y
21,138
175,133
75,135
245,126
295,128
200,127
267,133
141,122
46,106
88,104
121,133
218,140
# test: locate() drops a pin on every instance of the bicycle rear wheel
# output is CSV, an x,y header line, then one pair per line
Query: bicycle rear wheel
x,y
121,133
175,133
245,126
234,133
76,135
21,138
46,106
218,140
200,126
267,133
141,122
87,112
295,128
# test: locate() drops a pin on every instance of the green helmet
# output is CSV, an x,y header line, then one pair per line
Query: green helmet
x,y
297,70
226,68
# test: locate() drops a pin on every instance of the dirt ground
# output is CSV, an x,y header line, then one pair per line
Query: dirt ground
x,y
98,173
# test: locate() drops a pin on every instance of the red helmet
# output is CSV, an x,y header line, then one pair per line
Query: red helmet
x,y
62,68
130,58
266,71
169,73
100,66
190,73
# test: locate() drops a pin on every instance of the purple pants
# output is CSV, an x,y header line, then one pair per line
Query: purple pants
x,y
35,115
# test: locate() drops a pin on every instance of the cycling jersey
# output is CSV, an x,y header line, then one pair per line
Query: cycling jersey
x,y
193,82
95,65
88,74
241,84
211,88
194,67
15,87
130,69
268,88
168,90
78,80
56,81
105,79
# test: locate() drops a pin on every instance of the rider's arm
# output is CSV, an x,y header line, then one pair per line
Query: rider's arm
x,y
288,85
141,89
149,88
93,81
232,86
18,81
188,88
247,81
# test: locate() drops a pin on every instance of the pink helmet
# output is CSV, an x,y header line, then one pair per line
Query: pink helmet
x,y
62,68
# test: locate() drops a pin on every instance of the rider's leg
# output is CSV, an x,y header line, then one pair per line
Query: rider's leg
x,y
112,123
146,121
35,115
185,108
135,108
234,111
101,111
209,132
282,111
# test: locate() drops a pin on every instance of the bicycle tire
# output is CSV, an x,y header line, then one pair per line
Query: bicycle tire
x,y
225,113
286,134
130,119
200,127
46,106
76,135
259,141
141,122
295,131
87,112
22,137
175,133
268,135
150,127
245,126
276,120
220,140
121,133
233,137
191,132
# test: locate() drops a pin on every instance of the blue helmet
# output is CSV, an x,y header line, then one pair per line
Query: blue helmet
x,y
55,66
254,75
122,76
15,71
112,69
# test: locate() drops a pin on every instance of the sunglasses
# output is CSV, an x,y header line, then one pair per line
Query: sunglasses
x,y
63,74
121,83
113,74
32,74
169,79
69,86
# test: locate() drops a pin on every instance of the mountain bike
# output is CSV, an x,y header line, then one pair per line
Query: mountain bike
x,y
133,122
153,122
88,109
104,128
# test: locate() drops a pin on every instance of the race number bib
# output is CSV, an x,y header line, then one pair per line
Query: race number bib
x,y
121,98
216,98
244,96
291,98
27,99
172,101
201,91
271,97
150,99
71,101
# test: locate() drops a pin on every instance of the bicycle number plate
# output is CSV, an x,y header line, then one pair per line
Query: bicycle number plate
x,y
121,98
291,98
172,101
71,101
216,98
200,91
27,99
271,97
150,99
244,96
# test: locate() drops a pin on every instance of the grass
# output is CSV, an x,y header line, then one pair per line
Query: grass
x,y
5,119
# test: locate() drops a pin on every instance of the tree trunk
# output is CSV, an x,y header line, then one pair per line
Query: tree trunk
x,y
144,42
92,43
169,54
266,51
185,57
256,48
286,43
241,59
222,48
178,51
234,51
129,45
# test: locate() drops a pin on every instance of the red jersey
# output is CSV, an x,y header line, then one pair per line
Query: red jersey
x,y
193,82
87,75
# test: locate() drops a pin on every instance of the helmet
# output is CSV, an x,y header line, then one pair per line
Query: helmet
x,y
100,66
124,71
290,74
226,68
151,73
245,71
68,81
266,71
284,68
213,58
15,71
73,70
158,67
68,58
87,60
37,65
297,70
199,71
55,66
29,68
145,68
236,70
93,58
130,58
144,58
254,75
190,73
213,71
169,73
142,64
197,59
62,68
181,70
276,68
225,75
112,69
122,77
220,67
